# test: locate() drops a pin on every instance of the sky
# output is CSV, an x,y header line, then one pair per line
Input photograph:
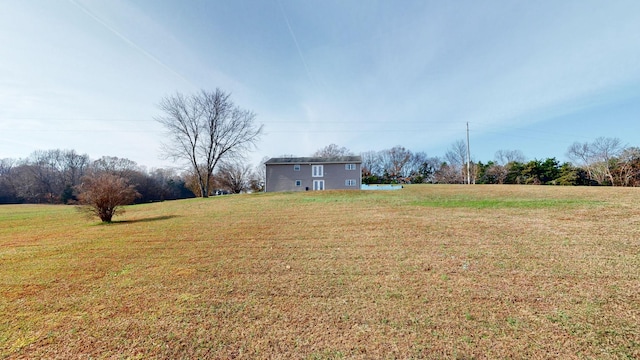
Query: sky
x,y
534,76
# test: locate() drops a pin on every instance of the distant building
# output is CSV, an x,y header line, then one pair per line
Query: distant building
x,y
313,173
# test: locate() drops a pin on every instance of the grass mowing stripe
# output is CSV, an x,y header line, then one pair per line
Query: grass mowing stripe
x,y
501,203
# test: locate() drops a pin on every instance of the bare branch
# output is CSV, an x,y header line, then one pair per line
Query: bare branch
x,y
204,129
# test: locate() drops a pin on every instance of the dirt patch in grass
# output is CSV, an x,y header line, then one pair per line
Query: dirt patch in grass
x,y
330,275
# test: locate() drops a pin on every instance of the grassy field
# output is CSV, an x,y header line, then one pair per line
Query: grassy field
x,y
454,272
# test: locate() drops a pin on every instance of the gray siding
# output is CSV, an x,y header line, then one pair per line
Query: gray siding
x,y
282,177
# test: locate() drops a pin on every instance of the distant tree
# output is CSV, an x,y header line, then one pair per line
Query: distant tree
x,y
117,166
447,174
504,157
538,172
495,172
596,158
607,149
45,181
515,173
456,158
49,176
104,194
571,175
259,176
484,175
582,155
192,182
332,150
428,169
398,165
234,176
417,169
394,163
7,189
626,167
371,167
169,185
204,129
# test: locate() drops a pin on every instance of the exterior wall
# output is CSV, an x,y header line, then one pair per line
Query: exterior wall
x,y
282,177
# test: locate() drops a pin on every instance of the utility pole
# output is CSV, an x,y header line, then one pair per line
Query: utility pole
x,y
468,157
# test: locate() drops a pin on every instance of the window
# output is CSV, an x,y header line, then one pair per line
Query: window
x,y
350,182
296,167
318,184
298,182
349,166
317,170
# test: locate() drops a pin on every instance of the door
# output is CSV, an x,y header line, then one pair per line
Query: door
x,y
318,184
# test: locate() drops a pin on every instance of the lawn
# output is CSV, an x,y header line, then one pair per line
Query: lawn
x,y
429,271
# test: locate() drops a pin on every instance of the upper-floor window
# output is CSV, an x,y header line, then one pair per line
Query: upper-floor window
x,y
349,166
296,167
317,170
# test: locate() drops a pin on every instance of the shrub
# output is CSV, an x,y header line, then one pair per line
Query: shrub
x,y
104,194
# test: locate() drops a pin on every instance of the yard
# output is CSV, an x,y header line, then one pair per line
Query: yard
x,y
429,271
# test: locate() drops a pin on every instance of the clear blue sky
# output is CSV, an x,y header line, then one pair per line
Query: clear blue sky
x,y
533,76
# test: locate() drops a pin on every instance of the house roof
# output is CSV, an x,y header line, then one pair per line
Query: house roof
x,y
314,160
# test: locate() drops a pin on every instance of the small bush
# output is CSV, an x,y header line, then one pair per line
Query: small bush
x,y
104,194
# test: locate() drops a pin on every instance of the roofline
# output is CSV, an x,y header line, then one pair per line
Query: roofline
x,y
314,160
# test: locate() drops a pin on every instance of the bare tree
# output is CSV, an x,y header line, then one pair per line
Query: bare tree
x,y
430,168
447,174
456,158
234,176
371,163
259,178
504,157
205,128
7,190
416,167
606,149
581,155
394,162
504,160
332,150
104,194
51,175
596,157
627,167
118,166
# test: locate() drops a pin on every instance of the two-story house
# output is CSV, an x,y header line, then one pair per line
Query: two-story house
x,y
313,173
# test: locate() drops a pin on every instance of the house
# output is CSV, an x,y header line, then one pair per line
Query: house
x,y
313,173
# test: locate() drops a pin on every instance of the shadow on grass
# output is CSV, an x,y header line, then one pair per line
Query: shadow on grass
x,y
143,220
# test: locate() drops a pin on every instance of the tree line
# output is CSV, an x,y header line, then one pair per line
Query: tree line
x,y
604,161
53,177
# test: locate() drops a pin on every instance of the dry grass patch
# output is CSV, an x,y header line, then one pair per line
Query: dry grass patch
x,y
424,272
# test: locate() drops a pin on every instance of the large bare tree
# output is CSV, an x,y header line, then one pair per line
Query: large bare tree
x,y
205,128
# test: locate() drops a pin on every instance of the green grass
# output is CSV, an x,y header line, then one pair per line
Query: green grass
x,y
501,203
422,272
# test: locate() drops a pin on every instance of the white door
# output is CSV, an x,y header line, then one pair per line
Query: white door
x,y
318,184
